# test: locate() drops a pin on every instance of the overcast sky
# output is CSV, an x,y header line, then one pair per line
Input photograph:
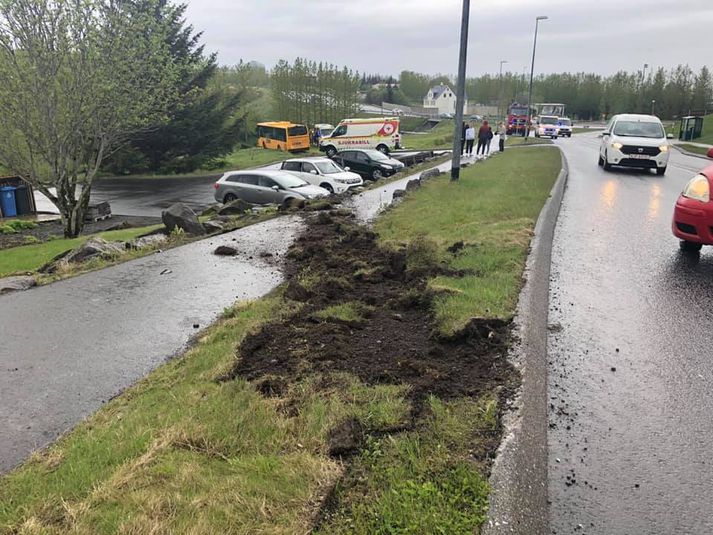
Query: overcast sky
x,y
388,36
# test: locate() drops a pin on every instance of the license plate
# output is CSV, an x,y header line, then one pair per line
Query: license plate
x,y
639,156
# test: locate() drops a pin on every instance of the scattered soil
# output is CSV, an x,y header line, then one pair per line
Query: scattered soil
x,y
51,229
336,261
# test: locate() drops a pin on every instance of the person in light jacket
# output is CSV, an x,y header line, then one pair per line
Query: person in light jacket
x,y
469,139
503,133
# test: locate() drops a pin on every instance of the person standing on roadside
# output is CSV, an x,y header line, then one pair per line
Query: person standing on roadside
x,y
469,139
489,139
503,133
462,137
483,137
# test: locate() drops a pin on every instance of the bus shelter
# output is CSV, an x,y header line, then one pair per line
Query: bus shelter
x,y
691,128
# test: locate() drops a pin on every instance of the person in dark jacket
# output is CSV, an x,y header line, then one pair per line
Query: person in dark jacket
x,y
483,138
462,137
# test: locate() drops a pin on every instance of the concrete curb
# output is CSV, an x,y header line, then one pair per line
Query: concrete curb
x,y
693,154
519,497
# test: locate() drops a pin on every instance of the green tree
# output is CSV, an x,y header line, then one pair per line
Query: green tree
x,y
79,79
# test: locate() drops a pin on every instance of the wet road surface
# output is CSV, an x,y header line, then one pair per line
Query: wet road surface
x,y
68,347
631,356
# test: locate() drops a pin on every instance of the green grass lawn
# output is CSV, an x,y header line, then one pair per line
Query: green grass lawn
x,y
693,148
492,210
29,258
182,452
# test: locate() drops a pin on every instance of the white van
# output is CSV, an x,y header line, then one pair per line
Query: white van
x,y
633,140
380,133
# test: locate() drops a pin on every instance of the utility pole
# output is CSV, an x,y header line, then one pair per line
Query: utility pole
x,y
653,105
460,91
532,74
500,88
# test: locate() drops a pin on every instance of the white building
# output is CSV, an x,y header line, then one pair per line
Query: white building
x,y
443,98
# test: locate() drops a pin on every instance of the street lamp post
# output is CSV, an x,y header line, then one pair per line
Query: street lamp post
x,y
500,88
532,74
460,91
653,106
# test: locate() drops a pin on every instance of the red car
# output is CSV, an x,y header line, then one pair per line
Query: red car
x,y
693,215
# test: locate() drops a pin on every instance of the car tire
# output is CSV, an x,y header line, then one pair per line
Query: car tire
x,y
600,162
606,165
328,187
331,151
383,149
376,174
661,171
554,137
229,197
690,247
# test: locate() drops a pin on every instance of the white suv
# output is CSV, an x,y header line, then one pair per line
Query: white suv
x,y
324,173
631,140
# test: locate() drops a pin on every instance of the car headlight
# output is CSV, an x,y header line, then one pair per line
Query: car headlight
x,y
663,148
342,180
698,188
617,146
385,166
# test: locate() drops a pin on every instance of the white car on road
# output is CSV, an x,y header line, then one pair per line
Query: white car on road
x,y
324,173
632,140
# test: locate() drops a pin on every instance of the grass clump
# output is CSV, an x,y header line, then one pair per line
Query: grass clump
x,y
350,312
694,148
16,225
492,210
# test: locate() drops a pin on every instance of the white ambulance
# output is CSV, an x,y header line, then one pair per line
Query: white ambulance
x,y
380,133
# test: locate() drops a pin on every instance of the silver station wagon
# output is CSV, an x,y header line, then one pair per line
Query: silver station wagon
x,y
267,186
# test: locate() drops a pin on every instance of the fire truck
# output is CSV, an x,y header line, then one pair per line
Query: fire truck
x,y
517,118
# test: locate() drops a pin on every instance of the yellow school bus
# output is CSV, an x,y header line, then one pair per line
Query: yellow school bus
x,y
282,135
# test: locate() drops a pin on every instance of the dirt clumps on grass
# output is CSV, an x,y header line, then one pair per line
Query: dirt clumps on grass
x,y
366,311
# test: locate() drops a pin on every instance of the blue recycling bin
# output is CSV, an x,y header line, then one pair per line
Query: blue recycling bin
x,y
7,201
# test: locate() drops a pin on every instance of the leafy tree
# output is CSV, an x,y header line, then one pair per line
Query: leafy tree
x,y
79,79
205,122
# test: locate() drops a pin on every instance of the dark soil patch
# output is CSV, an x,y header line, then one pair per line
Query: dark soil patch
x,y
396,343
47,230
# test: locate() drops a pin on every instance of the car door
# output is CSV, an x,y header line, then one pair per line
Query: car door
x,y
268,194
362,164
237,185
311,173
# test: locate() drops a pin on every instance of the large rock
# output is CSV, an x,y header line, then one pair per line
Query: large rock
x,y
16,284
92,248
413,184
430,173
213,226
225,250
398,193
152,240
181,216
236,207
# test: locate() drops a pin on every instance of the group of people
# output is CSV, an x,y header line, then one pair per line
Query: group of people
x,y
315,136
484,135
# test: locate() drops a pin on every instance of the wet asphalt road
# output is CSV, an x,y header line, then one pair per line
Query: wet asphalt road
x,y
631,357
68,347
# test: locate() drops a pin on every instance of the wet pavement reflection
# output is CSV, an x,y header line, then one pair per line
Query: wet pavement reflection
x,y
631,364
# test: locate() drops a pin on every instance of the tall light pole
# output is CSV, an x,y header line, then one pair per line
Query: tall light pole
x,y
460,90
500,88
641,85
653,105
532,74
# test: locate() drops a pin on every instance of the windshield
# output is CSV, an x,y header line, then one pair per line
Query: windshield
x,y
638,129
518,111
326,131
548,120
287,180
299,130
565,122
376,155
328,168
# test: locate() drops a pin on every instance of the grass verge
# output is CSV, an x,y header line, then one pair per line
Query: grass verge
x,y
487,219
197,448
703,151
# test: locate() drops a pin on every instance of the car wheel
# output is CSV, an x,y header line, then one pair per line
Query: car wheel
x,y
554,137
328,187
690,247
229,197
376,174
331,151
660,171
601,160
607,165
383,149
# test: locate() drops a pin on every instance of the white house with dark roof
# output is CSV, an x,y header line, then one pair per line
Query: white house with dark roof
x,y
443,98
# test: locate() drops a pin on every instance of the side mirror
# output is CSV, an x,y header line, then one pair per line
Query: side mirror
x,y
347,169
669,136
604,134
313,172
276,188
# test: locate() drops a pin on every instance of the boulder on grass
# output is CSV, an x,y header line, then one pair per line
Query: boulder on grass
x,y
181,216
153,240
225,250
213,226
16,284
413,184
235,207
94,247
430,173
398,193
